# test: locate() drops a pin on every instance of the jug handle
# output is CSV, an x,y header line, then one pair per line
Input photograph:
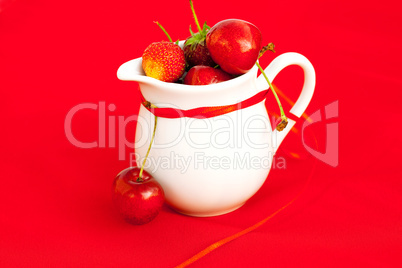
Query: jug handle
x,y
277,65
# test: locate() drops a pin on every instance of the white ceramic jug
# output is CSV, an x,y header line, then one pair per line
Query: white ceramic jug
x,y
212,166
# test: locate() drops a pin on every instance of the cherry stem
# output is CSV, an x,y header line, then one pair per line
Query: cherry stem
x,y
149,147
283,116
163,29
195,16
270,47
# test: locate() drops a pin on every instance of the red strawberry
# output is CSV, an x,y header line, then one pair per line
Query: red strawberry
x,y
164,61
195,49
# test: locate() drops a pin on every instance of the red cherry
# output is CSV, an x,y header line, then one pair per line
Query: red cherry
x,y
234,45
139,200
205,75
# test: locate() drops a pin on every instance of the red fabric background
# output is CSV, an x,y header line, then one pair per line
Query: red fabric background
x,y
55,204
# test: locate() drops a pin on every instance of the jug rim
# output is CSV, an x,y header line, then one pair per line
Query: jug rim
x,y
132,71
204,88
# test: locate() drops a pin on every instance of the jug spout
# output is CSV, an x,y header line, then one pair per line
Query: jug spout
x,y
132,71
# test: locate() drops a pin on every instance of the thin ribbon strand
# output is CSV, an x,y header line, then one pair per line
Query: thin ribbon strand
x,y
228,239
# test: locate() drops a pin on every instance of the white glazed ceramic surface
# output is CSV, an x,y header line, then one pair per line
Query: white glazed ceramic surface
x,y
212,166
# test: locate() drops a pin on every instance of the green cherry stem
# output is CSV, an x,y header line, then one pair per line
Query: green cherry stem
x,y
163,29
149,147
283,124
195,16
